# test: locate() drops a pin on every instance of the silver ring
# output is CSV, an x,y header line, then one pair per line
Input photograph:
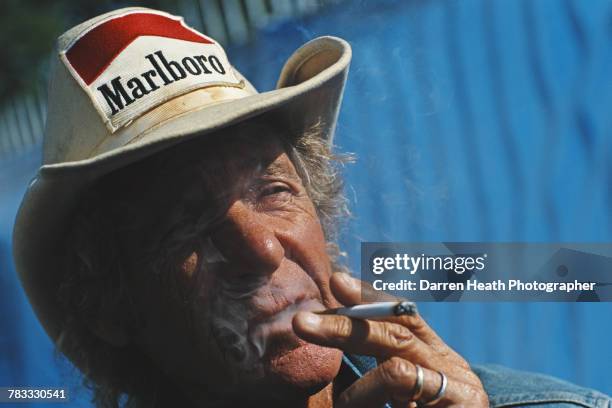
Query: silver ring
x,y
440,394
418,385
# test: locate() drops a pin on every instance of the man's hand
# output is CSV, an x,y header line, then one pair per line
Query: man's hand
x,y
399,344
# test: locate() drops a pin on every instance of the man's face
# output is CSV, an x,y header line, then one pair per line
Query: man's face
x,y
259,255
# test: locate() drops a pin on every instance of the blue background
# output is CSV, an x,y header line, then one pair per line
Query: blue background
x,y
471,121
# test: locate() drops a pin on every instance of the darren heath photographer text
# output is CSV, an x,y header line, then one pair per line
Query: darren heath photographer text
x,y
473,284
459,265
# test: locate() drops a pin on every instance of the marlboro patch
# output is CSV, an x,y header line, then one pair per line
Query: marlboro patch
x,y
133,62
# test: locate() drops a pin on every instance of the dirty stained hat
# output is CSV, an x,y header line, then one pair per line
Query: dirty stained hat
x,y
130,83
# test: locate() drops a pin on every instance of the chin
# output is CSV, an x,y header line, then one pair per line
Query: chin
x,y
303,371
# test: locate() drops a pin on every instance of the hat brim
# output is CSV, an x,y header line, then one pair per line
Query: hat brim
x,y
309,91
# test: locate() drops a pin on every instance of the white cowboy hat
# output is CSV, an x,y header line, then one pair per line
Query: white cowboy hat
x,y
133,82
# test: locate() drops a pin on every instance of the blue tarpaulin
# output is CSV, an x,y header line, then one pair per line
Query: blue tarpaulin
x,y
471,120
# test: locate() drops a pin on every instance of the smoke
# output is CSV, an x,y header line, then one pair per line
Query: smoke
x,y
229,315
260,335
229,312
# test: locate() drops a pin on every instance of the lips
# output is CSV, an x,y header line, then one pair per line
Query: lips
x,y
271,304
289,285
267,307
310,305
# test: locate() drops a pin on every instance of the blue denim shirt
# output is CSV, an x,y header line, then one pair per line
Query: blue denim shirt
x,y
509,388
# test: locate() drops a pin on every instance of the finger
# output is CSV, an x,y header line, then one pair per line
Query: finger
x,y
382,340
350,291
374,338
395,380
402,404
423,331
395,403
419,327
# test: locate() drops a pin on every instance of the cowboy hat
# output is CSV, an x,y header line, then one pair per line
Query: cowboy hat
x,y
130,83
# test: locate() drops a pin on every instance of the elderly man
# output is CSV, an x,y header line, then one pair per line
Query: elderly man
x,y
178,240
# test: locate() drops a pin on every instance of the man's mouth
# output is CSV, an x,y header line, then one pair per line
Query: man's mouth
x,y
275,334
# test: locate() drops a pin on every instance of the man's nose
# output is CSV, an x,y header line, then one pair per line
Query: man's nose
x,y
247,237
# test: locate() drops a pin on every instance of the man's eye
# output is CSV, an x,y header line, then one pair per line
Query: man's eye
x,y
275,188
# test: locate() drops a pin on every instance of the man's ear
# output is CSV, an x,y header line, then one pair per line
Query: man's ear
x,y
110,332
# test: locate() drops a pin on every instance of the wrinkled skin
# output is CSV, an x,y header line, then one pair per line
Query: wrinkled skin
x,y
230,340
274,262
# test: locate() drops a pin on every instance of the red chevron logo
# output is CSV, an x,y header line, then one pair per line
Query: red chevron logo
x,y
91,54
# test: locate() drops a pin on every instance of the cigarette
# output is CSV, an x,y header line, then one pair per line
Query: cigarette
x,y
375,310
